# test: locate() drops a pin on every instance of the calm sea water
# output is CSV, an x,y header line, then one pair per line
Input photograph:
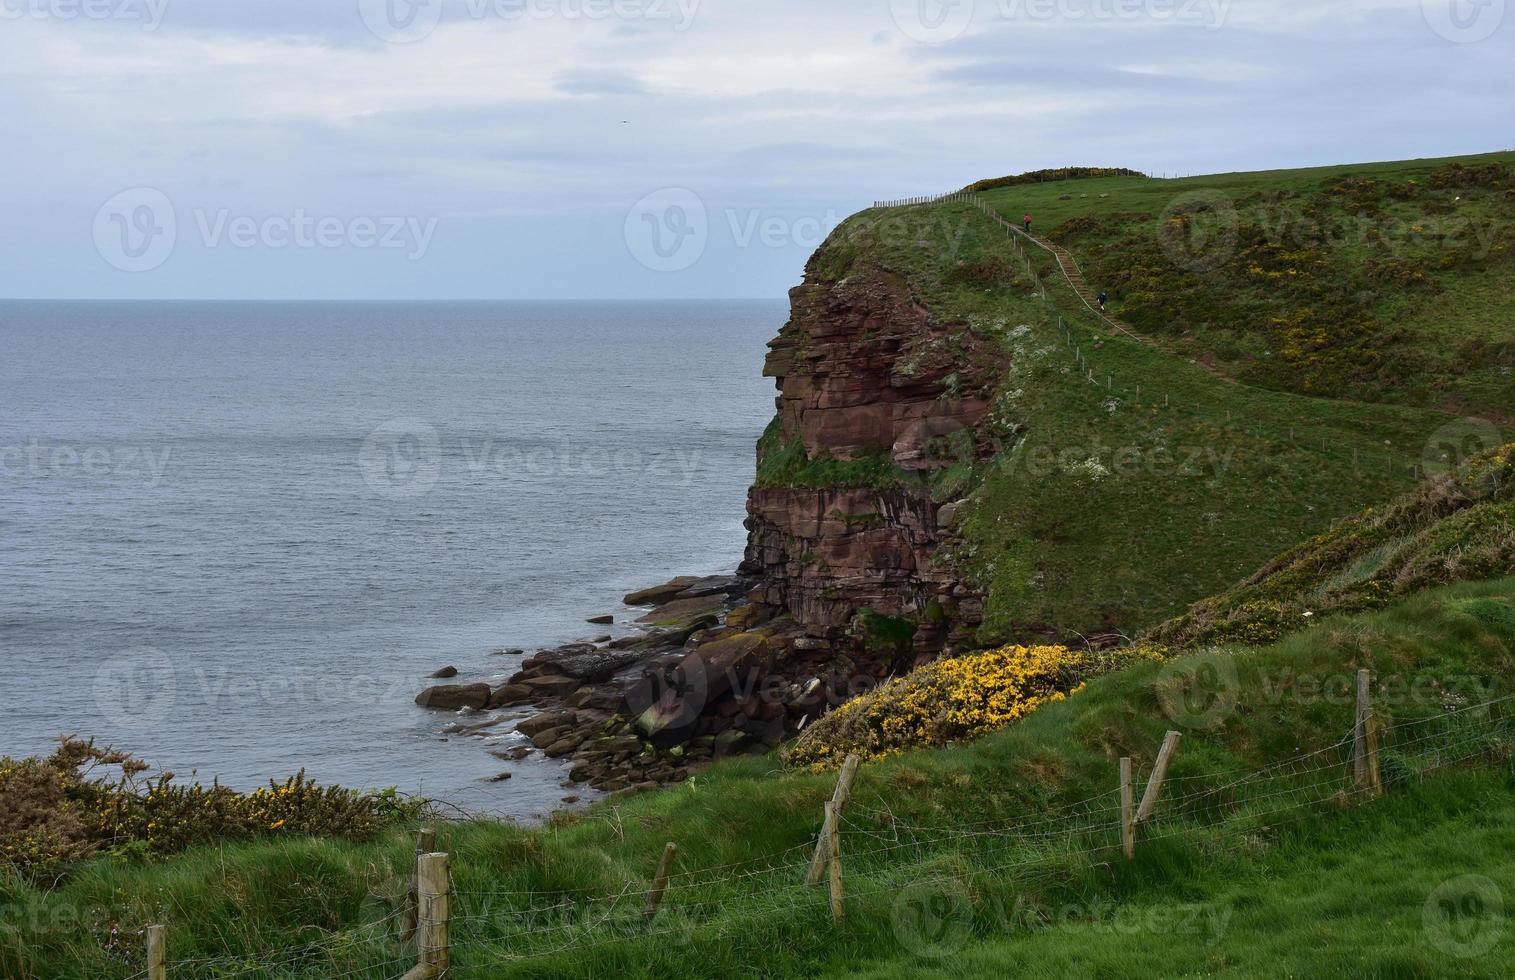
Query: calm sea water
x,y
238,538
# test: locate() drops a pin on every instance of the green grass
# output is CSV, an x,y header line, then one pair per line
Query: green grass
x,y
1397,285
1459,525
1302,886
1113,503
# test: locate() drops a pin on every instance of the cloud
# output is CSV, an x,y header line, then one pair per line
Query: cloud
x,y
593,81
505,114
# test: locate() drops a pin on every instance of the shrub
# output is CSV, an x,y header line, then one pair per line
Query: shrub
x,y
83,800
948,701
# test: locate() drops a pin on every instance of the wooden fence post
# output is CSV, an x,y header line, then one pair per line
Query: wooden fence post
x,y
426,842
1364,755
1127,831
834,846
1159,773
660,882
434,938
839,798
157,953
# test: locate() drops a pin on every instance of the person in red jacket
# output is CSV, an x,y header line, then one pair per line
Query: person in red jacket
x,y
1026,223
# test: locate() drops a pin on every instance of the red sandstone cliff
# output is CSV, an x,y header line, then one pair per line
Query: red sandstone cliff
x,y
861,368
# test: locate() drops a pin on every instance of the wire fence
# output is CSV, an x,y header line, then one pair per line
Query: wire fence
x,y
475,928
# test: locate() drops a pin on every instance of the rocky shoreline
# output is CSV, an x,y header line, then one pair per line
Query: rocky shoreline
x,y
710,671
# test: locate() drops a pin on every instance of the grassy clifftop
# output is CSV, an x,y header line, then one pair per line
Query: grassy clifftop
x,y
1383,282
1128,480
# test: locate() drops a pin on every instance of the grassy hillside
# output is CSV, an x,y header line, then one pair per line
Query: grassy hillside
x,y
1459,525
1129,481
1008,841
1385,282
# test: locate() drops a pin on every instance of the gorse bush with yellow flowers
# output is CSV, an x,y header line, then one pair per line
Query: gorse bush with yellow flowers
x,y
84,800
951,700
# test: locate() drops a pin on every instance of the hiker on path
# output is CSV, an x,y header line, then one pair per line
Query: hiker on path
x,y
1026,222
1102,298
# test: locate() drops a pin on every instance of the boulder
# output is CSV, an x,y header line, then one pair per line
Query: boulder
x,y
598,664
563,746
681,611
445,673
659,593
548,737
748,616
552,685
668,702
510,694
709,585
537,724
605,620
453,696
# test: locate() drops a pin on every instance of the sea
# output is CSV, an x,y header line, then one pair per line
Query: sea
x,y
236,539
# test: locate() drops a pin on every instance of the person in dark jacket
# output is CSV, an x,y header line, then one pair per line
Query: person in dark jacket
x,y
1102,299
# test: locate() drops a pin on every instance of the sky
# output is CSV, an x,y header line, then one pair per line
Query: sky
x,y
602,149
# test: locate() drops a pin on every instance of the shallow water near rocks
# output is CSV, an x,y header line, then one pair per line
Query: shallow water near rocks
x,y
240,537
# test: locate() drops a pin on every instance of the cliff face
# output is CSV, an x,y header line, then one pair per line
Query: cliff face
x,y
865,372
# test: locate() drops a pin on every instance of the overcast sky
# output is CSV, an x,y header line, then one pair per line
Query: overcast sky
x,y
653,148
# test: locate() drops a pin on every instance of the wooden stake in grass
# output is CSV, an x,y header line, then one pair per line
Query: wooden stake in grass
x,y
1127,830
1159,773
157,953
434,938
1364,740
839,798
426,842
660,882
834,848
